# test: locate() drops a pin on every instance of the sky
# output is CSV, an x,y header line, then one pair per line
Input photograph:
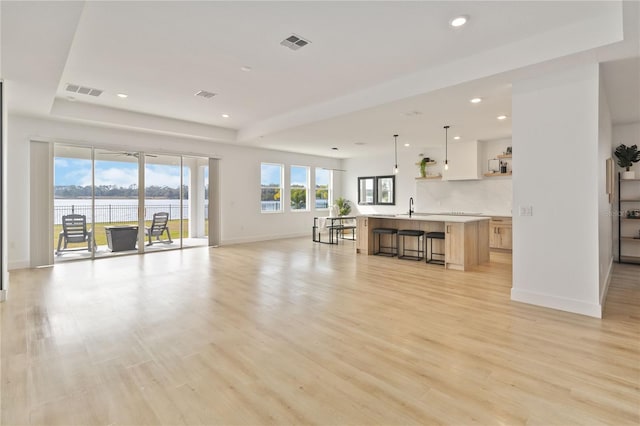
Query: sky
x,y
73,171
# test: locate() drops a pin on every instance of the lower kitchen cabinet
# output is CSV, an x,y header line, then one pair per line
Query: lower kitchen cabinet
x,y
362,240
501,233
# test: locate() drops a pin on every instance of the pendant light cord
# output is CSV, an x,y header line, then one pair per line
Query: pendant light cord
x,y
395,146
446,144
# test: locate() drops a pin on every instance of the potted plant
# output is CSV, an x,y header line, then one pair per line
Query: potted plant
x,y
423,167
627,155
344,208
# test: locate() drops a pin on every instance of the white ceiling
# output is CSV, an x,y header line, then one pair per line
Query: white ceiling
x,y
161,53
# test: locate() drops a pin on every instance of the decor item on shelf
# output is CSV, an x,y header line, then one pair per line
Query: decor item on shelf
x,y
446,158
503,167
344,206
627,155
423,167
493,165
508,152
633,214
395,146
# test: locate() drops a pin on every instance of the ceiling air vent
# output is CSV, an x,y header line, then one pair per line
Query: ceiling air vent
x,y
83,90
205,94
294,42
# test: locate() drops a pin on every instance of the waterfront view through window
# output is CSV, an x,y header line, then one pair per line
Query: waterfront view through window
x,y
96,202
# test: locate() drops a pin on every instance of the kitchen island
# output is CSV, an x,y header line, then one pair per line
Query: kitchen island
x,y
466,238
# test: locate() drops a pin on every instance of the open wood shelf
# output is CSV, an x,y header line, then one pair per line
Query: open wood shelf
x,y
503,156
497,174
429,163
630,200
627,240
429,177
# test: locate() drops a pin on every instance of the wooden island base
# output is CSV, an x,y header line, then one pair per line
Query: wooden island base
x,y
466,242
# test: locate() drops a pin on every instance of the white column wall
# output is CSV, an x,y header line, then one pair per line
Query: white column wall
x,y
555,173
605,216
196,197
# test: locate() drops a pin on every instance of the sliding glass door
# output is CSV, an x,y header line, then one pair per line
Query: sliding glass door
x,y
116,202
163,202
105,206
72,203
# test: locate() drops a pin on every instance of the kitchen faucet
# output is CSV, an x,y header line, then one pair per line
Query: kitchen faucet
x,y
410,206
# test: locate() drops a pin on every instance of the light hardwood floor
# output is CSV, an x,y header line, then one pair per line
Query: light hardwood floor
x,y
292,332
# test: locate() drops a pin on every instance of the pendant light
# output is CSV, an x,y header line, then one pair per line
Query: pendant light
x,y
395,146
446,160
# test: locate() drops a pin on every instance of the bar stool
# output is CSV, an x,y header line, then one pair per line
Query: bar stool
x,y
393,251
430,237
420,244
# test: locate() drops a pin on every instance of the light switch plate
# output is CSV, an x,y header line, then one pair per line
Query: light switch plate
x,y
526,210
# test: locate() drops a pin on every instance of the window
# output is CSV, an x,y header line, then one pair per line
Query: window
x,y
377,190
384,190
366,187
270,187
323,188
299,188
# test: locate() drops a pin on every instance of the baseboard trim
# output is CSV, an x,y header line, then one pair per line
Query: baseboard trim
x,y
605,289
555,302
264,238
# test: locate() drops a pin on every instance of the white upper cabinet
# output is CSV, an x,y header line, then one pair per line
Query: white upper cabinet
x,y
463,161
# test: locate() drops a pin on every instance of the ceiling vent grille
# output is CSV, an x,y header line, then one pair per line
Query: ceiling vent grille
x,y
83,90
205,94
294,42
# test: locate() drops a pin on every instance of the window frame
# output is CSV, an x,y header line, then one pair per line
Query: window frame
x,y
329,188
374,198
281,187
376,201
306,188
393,190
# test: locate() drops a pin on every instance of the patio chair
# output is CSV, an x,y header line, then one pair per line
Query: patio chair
x,y
158,226
74,230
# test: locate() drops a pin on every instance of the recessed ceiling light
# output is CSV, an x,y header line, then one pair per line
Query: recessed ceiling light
x,y
456,137
122,95
501,117
458,21
406,144
476,100
245,68
225,115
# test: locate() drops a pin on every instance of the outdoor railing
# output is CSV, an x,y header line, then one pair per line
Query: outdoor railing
x,y
117,213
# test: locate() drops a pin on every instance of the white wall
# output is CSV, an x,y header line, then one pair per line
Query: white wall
x,y
556,165
488,195
605,219
628,134
241,220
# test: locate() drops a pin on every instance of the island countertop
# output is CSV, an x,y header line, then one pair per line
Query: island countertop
x,y
430,218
